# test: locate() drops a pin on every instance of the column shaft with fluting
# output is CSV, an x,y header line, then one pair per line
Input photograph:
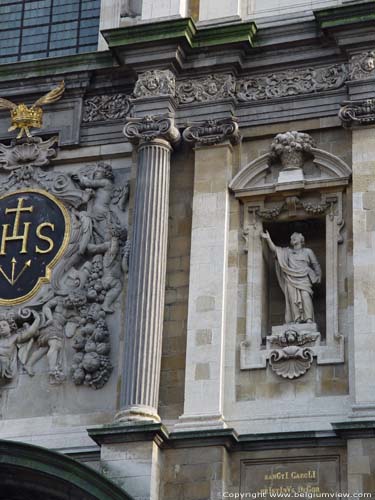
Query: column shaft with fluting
x,y
147,274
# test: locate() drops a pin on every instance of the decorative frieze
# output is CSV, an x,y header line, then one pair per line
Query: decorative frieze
x,y
155,83
291,82
106,107
358,112
259,88
206,89
213,132
362,65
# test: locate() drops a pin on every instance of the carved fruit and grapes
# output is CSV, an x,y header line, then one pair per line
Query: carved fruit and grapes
x,y
77,284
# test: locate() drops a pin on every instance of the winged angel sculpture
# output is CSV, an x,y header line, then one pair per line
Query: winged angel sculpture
x,y
25,117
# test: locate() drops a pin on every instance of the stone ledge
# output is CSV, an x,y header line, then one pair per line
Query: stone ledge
x,y
341,431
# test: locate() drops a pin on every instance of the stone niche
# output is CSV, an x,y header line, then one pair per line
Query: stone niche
x,y
292,311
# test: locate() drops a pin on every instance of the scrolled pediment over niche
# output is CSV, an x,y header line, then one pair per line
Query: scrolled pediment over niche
x,y
296,191
284,168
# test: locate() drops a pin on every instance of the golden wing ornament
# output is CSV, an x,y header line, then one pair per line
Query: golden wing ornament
x,y
25,117
52,96
5,104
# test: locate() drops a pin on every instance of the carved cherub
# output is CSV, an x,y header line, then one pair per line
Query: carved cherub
x,y
99,207
10,338
57,312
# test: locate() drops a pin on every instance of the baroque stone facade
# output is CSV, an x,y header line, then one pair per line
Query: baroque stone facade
x,y
186,257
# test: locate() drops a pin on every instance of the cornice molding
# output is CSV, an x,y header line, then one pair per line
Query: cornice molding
x,y
229,438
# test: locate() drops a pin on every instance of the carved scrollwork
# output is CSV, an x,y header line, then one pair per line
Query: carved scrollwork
x,y
213,132
358,112
291,82
155,83
149,128
206,89
106,107
362,65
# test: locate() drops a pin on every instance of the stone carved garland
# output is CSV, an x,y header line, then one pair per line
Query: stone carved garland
x,y
291,82
210,88
106,107
259,88
206,89
75,306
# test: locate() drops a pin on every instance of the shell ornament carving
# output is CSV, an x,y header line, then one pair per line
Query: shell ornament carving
x,y
291,362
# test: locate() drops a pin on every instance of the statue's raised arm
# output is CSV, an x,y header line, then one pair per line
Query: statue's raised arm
x,y
266,236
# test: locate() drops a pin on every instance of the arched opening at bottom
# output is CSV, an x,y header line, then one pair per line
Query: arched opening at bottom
x,y
31,473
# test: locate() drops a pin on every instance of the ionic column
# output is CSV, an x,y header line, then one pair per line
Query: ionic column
x,y
154,137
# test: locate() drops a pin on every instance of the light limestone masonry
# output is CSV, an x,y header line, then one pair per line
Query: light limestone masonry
x,y
163,8
207,292
361,465
364,268
213,9
134,466
110,11
259,400
172,380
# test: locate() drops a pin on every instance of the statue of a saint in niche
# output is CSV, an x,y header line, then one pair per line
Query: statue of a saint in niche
x,y
297,270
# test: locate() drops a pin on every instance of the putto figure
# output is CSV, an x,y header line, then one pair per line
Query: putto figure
x,y
297,270
12,339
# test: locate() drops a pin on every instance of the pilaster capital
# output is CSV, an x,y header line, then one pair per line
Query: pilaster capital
x,y
150,128
212,132
358,112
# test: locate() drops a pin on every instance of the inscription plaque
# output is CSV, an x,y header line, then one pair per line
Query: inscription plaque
x,y
292,476
34,232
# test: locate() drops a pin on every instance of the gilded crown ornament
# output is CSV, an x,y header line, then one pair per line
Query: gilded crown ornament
x,y
25,117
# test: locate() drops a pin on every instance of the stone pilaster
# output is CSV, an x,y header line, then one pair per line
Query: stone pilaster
x,y
204,379
360,114
154,137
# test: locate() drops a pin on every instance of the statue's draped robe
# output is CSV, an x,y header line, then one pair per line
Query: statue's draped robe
x,y
297,271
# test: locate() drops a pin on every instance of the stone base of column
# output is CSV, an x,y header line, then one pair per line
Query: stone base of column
x,y
137,413
200,422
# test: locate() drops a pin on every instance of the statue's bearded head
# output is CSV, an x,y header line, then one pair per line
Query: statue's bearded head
x,y
297,240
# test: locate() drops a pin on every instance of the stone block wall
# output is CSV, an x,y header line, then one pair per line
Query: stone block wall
x,y
361,465
177,288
